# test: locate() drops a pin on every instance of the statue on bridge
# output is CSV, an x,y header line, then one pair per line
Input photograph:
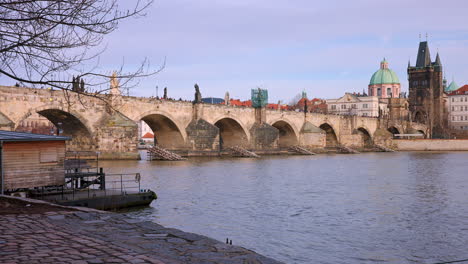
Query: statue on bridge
x,y
227,99
78,84
198,96
165,93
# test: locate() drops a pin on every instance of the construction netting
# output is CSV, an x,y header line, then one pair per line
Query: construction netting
x,y
259,98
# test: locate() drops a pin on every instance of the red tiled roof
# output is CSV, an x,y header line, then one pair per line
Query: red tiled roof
x,y
148,135
238,102
460,91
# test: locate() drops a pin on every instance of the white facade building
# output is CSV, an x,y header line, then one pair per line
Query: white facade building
x,y
352,104
457,106
143,128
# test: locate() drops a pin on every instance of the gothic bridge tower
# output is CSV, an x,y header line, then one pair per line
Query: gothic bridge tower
x,y
426,91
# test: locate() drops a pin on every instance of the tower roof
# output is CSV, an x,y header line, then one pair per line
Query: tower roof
x,y
452,87
424,56
437,61
384,75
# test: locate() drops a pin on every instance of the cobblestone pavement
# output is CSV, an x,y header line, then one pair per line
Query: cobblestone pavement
x,y
92,237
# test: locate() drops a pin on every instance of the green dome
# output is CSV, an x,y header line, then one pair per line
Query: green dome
x,y
452,87
384,76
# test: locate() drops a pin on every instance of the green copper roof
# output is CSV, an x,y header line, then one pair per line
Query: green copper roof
x,y
384,76
452,87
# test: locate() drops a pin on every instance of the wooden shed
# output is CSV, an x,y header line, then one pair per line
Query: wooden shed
x,y
31,160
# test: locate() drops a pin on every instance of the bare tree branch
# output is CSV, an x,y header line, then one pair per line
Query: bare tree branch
x,y
42,42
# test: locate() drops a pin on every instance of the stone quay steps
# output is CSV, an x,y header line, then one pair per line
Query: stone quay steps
x,y
241,152
300,150
384,149
344,149
158,153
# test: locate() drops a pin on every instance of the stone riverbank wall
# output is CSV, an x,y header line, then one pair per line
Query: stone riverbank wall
x,y
431,144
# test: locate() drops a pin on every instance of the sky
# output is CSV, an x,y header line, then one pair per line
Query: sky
x,y
325,48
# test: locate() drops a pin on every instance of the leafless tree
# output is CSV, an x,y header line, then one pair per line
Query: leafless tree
x,y
43,41
295,99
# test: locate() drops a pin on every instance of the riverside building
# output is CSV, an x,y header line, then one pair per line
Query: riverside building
x,y
458,109
357,104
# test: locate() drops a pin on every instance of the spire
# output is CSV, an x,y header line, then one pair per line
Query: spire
x,y
437,61
424,56
409,63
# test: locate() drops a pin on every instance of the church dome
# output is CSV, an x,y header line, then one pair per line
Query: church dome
x,y
452,87
384,75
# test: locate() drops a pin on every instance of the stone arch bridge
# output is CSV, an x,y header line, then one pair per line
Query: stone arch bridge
x,y
183,126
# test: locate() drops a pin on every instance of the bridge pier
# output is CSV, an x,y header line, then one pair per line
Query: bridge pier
x,y
263,136
312,136
117,138
202,136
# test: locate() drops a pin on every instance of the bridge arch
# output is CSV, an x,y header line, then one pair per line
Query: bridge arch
x,y
231,133
366,137
420,117
67,123
331,139
288,135
167,132
423,133
394,130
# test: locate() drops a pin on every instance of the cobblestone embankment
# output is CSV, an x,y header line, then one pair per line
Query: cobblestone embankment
x,y
86,236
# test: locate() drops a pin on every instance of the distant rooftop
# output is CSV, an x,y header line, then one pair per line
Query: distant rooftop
x,y
460,91
11,136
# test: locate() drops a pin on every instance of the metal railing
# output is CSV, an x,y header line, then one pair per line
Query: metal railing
x,y
82,186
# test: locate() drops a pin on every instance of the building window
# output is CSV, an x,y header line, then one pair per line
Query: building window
x,y
389,92
354,106
364,106
453,118
453,108
415,83
379,92
364,114
333,107
343,106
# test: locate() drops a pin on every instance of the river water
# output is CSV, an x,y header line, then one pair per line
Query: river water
x,y
364,208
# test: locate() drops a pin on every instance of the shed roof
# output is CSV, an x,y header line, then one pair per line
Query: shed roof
x,y
12,136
